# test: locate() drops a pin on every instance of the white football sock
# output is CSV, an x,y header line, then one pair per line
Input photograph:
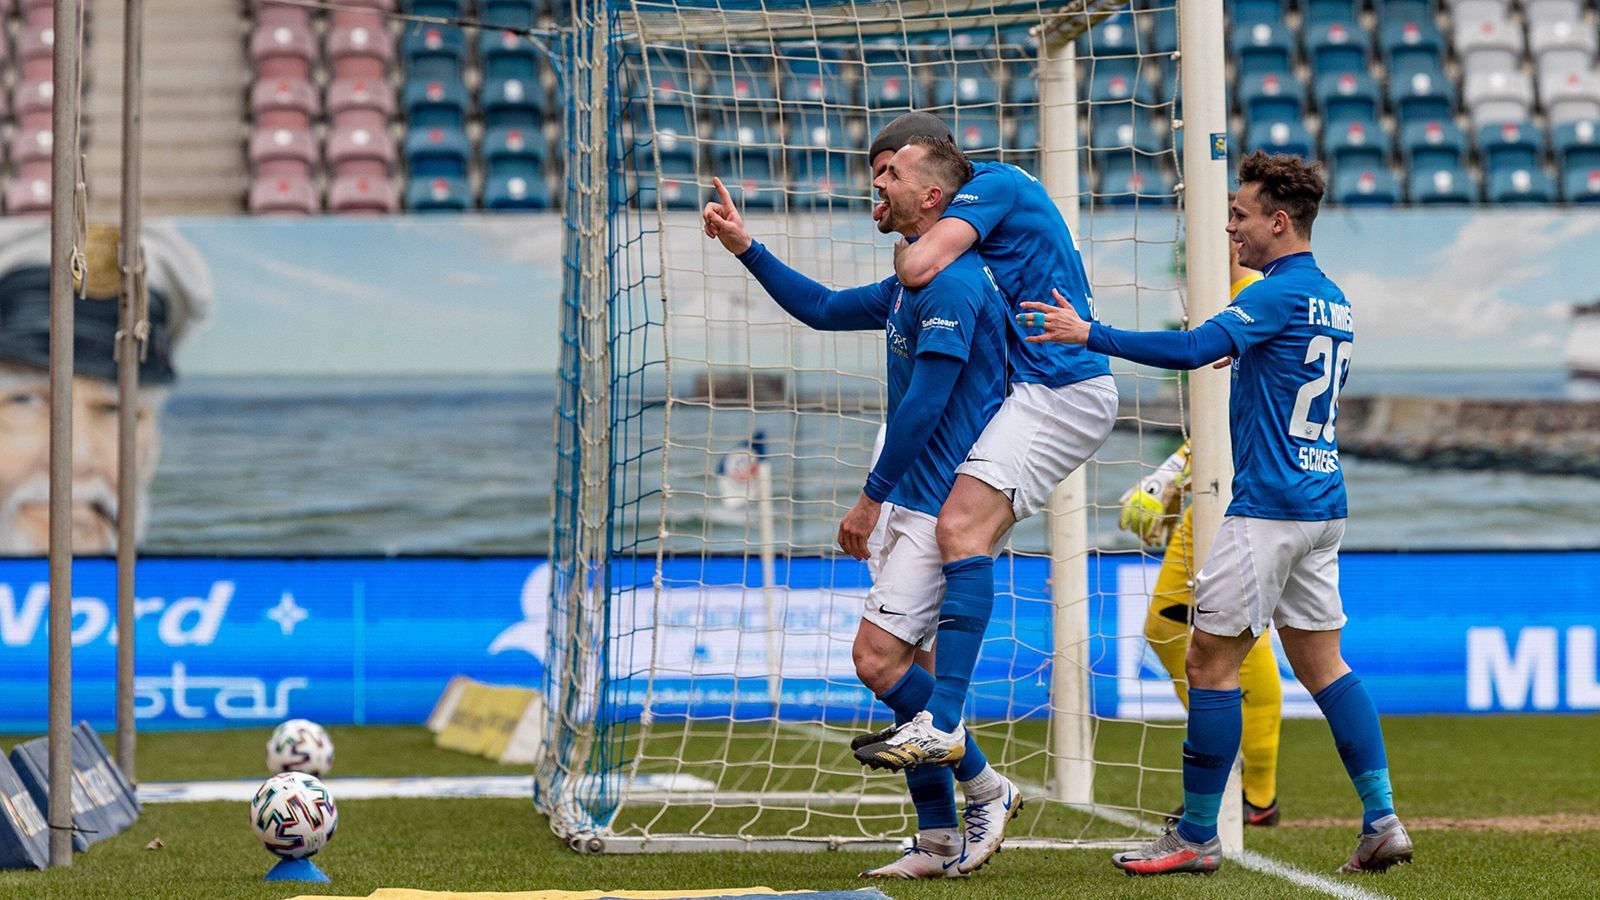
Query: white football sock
x,y
983,787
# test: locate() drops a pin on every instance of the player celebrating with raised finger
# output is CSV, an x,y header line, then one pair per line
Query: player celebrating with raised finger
x,y
1276,556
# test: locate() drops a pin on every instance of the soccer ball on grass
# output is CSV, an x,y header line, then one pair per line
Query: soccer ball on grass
x,y
294,815
300,745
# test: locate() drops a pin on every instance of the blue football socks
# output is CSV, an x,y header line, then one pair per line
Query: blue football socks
x,y
968,603
1216,724
932,787
1357,733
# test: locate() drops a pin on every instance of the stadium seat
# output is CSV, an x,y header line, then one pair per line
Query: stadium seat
x,y
1024,140
1019,42
433,52
362,195
436,102
520,14
665,75
1432,144
1581,184
32,103
754,183
283,195
743,80
807,81
965,84
1327,12
970,44
1422,97
824,179
1251,12
1404,10
446,9
674,133
1571,97
1366,186
283,52
1144,181
282,151
28,195
1117,83
1356,145
369,13
1347,97
1488,41
740,133
1261,47
438,193
37,13
505,54
32,147
1518,185
1444,185
5,106
1288,137
514,187
366,101
360,51
1493,97
434,152
1562,46
676,186
1577,144
816,129
1511,145
1338,47
1553,10
1163,29
891,86
512,101
283,103
1116,36
1272,95
1022,85
977,131
501,144
361,152
35,51
1123,134
1412,47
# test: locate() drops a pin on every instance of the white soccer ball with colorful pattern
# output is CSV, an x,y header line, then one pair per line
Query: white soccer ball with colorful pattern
x,y
300,745
294,815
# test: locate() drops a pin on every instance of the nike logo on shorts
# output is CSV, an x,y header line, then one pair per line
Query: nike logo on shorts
x,y
886,611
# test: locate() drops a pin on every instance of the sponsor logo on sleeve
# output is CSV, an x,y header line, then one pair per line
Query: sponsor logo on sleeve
x,y
1240,314
965,198
936,322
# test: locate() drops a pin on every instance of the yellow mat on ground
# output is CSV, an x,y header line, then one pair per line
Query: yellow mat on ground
x,y
409,894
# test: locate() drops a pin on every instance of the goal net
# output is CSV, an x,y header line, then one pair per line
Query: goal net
x,y
701,687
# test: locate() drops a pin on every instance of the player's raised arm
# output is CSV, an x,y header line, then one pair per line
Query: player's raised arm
x,y
853,309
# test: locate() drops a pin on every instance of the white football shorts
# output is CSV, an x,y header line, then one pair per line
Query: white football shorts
x,y
1039,437
1270,571
907,576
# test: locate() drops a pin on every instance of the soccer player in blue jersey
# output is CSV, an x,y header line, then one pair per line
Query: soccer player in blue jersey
x,y
946,379
1060,410
1276,557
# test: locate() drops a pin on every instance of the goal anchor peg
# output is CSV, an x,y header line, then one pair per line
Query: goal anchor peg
x,y
296,870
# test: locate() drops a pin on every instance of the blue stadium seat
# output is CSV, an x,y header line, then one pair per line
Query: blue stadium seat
x,y
814,128
1411,46
1141,181
668,75
1116,36
1338,47
1577,144
1518,185
1422,97
674,133
1253,12
1122,135
1272,95
1366,186
1019,42
514,185
977,131
807,81
512,101
754,183
1022,85
510,13
741,134
449,9
1112,82
1261,47
824,179
1404,10
1024,137
434,52
1440,185
1326,12
971,44
965,84
439,102
676,187
505,54
438,193
1348,97
1438,143
742,79
1511,145
434,152
1287,136
891,86
514,143
1580,184
1163,29
1356,145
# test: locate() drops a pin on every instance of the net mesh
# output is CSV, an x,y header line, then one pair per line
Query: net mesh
x,y
701,625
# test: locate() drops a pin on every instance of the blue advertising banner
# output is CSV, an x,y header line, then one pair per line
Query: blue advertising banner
x,y
232,642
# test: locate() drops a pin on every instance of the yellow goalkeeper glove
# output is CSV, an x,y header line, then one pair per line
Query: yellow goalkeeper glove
x,y
1144,512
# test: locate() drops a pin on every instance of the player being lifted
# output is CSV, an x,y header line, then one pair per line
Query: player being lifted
x,y
946,380
1150,511
1060,409
1276,556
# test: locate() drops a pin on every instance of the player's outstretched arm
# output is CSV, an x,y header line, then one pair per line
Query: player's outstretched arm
x,y
1180,350
853,309
919,263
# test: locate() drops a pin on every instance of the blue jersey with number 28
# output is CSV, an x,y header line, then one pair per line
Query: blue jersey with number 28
x,y
1292,335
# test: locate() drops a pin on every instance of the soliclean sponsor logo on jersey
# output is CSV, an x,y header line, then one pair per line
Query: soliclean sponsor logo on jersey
x,y
937,322
966,198
1240,314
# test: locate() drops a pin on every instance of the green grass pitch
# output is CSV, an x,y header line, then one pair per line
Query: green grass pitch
x,y
1499,807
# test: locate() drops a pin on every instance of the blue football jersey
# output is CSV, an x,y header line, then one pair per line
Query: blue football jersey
x,y
1292,333
1027,244
959,314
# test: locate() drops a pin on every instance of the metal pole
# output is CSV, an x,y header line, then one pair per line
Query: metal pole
x,y
1205,206
1071,732
130,312
63,235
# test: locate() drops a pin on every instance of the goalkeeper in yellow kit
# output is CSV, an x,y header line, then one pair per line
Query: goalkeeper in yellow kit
x,y
1150,511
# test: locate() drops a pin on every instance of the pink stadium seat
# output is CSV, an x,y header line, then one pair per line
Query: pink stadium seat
x,y
5,102
282,151
360,52
37,169
362,195
273,15
283,103
283,195
35,51
361,152
358,18
283,52
39,13
28,196
31,103
32,145
371,94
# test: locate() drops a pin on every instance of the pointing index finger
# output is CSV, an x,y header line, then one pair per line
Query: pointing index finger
x,y
722,192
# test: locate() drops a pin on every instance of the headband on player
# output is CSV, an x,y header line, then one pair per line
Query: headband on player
x,y
899,132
